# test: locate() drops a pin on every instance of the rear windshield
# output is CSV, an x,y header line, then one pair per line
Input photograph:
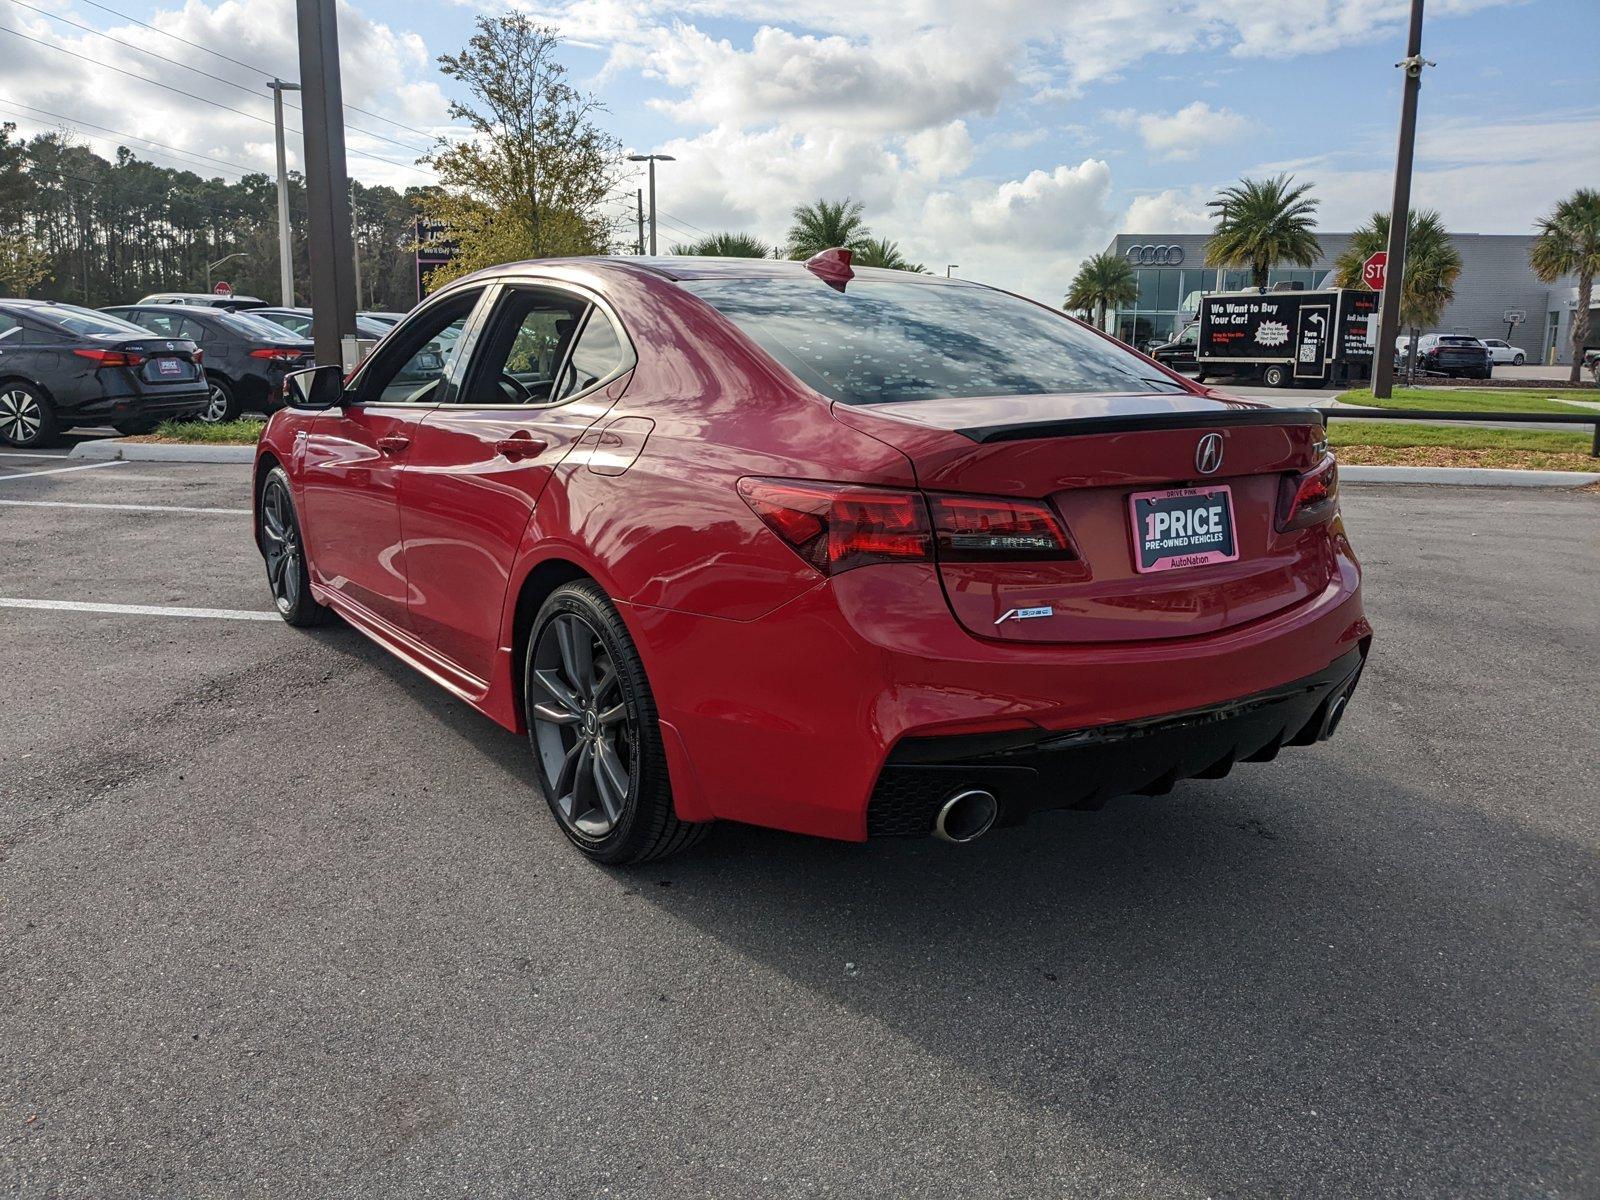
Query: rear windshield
x,y
86,321
1458,341
880,342
253,327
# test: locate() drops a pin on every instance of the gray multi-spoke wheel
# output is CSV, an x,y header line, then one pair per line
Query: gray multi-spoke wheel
x,y
26,418
285,555
220,405
596,737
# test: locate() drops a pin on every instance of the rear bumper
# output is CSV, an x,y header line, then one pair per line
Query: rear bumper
x,y
1031,770
113,409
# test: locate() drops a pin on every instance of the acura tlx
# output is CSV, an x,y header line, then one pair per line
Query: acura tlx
x,y
844,551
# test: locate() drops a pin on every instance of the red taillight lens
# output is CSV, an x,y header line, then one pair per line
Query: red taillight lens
x,y
995,529
111,358
837,526
198,355
1309,499
276,352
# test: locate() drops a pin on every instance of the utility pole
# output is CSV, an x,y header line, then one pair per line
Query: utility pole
x,y
331,249
285,250
652,159
1399,211
638,196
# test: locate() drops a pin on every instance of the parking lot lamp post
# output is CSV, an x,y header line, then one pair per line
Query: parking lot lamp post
x,y
210,267
948,267
652,159
285,255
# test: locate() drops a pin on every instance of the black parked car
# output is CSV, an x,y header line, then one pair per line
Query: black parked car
x,y
61,366
246,358
228,303
1452,354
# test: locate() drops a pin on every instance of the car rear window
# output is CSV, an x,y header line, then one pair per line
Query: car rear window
x,y
87,321
1458,341
253,327
886,341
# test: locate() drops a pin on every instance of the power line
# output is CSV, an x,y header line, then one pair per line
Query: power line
x,y
205,74
190,95
247,66
79,123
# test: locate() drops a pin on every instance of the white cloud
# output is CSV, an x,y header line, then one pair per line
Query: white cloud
x,y
1186,133
1175,210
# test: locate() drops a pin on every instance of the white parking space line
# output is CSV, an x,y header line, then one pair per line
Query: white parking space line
x,y
110,462
245,512
25,454
142,610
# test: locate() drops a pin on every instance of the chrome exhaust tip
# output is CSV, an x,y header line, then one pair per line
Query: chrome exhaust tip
x,y
966,816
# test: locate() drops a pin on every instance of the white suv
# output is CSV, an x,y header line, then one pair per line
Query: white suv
x,y
1505,352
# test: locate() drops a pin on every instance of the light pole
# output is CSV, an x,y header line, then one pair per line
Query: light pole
x,y
1399,211
285,254
210,267
948,267
652,159
328,221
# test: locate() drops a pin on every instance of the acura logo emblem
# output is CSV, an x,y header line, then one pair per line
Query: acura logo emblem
x,y
1208,454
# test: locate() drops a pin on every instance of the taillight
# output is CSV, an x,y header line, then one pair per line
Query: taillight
x,y
983,528
276,352
1308,499
835,527
198,354
111,358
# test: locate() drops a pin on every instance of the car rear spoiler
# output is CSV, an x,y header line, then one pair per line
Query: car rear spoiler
x,y
1137,422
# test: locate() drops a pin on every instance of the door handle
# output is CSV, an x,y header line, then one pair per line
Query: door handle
x,y
393,443
524,446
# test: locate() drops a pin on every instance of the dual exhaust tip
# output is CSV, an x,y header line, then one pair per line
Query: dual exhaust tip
x,y
966,816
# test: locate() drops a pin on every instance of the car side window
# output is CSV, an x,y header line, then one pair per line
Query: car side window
x,y
9,328
414,361
164,324
193,330
523,349
598,355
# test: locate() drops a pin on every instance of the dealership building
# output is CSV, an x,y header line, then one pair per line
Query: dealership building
x,y
1496,282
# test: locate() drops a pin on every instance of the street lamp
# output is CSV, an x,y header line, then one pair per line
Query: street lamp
x,y
652,159
210,267
948,267
285,263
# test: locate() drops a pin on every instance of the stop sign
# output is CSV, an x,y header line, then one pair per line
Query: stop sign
x,y
1375,270
223,288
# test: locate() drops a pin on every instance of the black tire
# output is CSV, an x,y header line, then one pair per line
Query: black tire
x,y
1276,376
1518,360
578,752
1199,376
134,428
221,404
284,552
27,417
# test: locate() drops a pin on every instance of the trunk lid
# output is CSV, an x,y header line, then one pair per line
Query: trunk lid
x,y
1088,456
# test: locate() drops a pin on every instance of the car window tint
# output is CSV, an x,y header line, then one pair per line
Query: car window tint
x,y
414,360
598,355
192,329
247,326
166,324
524,347
8,327
86,321
881,341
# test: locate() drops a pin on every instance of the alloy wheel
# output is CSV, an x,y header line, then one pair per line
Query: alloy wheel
x,y
582,728
280,543
216,405
20,416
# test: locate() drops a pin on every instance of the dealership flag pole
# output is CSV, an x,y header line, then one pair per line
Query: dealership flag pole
x,y
328,225
1399,211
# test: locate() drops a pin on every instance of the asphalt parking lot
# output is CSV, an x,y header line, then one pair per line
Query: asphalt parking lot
x,y
280,918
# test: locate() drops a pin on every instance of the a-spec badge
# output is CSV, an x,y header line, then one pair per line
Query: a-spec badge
x,y
1025,614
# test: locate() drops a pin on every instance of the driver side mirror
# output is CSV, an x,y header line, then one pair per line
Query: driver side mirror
x,y
315,387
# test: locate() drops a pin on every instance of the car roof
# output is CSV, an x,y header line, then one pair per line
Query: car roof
x,y
680,267
183,310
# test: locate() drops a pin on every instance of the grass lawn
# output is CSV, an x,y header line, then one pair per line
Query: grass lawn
x,y
1400,443
225,433
1442,399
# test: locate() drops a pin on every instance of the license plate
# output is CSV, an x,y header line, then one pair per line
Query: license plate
x,y
168,368
1183,527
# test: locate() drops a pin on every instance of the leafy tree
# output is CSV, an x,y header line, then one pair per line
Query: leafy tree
x,y
1569,244
1105,281
1433,264
1261,223
22,266
881,252
531,181
825,224
727,245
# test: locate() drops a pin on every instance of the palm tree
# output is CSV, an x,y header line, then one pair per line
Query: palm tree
x,y
825,224
1569,244
1433,264
1104,281
1261,223
881,252
727,245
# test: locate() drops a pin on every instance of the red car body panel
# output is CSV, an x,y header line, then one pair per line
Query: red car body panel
x,y
782,691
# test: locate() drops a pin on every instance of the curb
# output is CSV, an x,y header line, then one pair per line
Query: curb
x,y
114,448
1468,476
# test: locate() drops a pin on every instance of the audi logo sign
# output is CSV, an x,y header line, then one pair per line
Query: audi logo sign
x,y
1155,256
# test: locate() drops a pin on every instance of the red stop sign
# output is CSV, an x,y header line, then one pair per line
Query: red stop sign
x,y
1375,270
223,288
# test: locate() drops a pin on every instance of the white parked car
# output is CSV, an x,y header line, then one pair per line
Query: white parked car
x,y
1505,352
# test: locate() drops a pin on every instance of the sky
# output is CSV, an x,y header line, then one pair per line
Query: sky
x,y
1011,139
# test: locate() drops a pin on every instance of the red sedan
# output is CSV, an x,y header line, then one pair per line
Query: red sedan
x,y
853,553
